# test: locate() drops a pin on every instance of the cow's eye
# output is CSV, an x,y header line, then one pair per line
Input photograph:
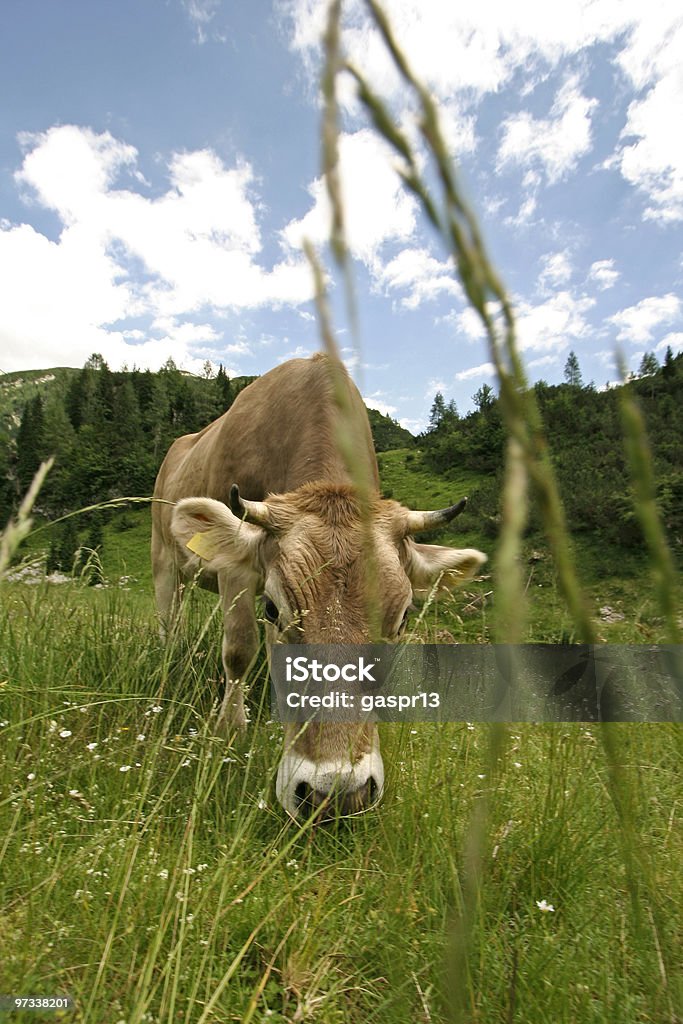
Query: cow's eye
x,y
270,610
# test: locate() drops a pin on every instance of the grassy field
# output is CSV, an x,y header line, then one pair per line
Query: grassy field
x,y
148,871
529,875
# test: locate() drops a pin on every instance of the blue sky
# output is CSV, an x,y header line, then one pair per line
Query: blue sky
x,y
159,166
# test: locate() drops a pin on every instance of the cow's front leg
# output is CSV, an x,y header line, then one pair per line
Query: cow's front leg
x,y
240,646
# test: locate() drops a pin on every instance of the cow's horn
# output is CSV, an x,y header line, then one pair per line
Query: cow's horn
x,y
417,522
256,512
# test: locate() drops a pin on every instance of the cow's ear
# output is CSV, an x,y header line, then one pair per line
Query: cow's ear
x,y
426,562
212,533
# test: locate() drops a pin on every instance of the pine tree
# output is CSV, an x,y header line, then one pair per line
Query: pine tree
x,y
484,398
104,396
451,416
572,371
223,391
30,442
668,366
648,365
437,412
80,401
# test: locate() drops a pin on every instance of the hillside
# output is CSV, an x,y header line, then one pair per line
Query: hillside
x,y
585,437
111,430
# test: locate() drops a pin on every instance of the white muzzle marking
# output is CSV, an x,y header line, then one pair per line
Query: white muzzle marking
x,y
326,777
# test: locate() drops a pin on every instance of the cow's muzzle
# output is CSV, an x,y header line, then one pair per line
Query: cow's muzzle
x,y
329,790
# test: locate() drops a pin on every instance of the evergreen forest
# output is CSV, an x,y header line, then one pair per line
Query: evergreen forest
x,y
109,432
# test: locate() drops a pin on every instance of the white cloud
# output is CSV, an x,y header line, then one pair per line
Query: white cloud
x,y
553,324
537,364
639,324
434,385
654,162
556,269
201,13
467,322
378,401
376,207
300,352
415,426
191,250
483,370
462,47
523,216
421,275
555,143
673,340
651,157
604,274
466,51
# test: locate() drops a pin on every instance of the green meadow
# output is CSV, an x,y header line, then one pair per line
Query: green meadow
x,y
529,873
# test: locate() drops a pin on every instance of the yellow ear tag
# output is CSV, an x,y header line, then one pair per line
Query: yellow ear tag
x,y
203,545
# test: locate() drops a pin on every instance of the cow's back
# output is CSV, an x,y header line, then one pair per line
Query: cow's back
x,y
279,433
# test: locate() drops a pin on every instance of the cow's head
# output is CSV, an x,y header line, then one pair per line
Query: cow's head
x,y
328,575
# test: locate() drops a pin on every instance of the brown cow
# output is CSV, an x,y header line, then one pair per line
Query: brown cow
x,y
301,540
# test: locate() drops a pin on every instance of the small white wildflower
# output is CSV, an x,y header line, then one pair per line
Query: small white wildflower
x,y
74,792
189,871
202,867
545,907
91,746
65,733
189,918
293,864
31,776
481,776
163,873
141,737
124,768
413,732
517,764
262,805
180,896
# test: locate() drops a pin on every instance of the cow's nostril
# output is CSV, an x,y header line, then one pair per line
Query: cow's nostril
x,y
373,791
302,793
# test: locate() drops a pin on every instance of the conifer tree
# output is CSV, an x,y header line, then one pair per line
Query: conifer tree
x,y
30,441
648,365
437,411
484,398
223,391
572,371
